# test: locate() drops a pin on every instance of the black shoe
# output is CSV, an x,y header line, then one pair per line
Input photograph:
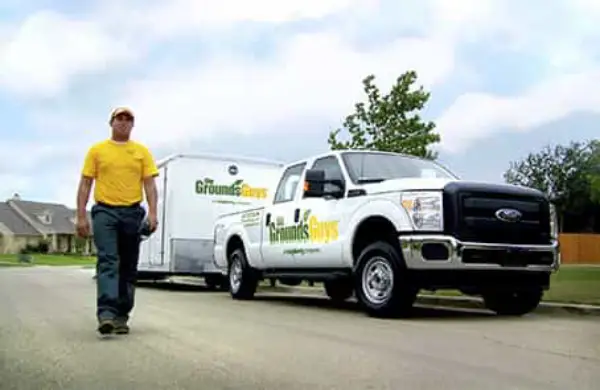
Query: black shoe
x,y
106,326
121,326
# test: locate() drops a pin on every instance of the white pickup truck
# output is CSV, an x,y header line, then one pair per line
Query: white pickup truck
x,y
383,226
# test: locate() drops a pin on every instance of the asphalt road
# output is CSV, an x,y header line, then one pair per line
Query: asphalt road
x,y
193,339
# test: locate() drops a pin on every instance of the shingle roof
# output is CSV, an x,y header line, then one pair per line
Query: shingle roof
x,y
14,222
60,216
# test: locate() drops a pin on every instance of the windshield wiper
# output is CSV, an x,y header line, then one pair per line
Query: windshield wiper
x,y
369,180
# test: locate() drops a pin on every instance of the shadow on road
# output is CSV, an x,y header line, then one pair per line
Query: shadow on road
x,y
173,286
419,311
287,297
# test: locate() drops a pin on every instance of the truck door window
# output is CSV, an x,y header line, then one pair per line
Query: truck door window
x,y
288,185
333,170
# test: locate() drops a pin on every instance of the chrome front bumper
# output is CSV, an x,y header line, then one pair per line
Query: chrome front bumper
x,y
413,245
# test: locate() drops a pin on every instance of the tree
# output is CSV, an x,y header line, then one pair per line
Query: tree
x,y
594,170
390,122
564,173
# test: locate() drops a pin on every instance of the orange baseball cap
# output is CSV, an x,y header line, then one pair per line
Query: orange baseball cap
x,y
121,110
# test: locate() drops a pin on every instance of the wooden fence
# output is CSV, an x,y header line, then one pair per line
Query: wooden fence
x,y
580,248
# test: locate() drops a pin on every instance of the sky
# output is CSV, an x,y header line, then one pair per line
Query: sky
x,y
271,79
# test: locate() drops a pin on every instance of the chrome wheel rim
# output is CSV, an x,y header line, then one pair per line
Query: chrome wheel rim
x,y
378,280
235,274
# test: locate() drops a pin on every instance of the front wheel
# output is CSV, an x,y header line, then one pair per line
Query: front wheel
x,y
242,278
382,284
513,303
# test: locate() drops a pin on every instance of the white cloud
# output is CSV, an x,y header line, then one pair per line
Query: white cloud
x,y
39,57
174,17
313,75
475,116
310,75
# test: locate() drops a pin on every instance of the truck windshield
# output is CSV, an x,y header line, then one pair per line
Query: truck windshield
x,y
366,167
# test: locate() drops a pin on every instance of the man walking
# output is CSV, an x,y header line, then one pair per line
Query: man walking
x,y
122,170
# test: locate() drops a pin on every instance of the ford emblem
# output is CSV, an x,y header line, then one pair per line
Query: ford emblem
x,y
509,215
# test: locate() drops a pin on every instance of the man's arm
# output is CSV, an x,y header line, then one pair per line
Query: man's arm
x,y
151,194
88,173
83,195
150,172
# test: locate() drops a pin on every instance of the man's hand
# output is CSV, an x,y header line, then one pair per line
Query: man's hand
x,y
83,194
83,227
152,222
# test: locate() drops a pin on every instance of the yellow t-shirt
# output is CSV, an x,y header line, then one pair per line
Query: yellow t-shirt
x,y
118,170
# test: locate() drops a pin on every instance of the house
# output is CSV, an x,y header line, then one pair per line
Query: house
x,y
27,223
15,232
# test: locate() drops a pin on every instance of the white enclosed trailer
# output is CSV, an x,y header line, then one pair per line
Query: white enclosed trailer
x,y
193,191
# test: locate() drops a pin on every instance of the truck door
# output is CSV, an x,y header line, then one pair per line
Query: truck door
x,y
325,222
280,236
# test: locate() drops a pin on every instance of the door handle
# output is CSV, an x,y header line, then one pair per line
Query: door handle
x,y
296,215
268,219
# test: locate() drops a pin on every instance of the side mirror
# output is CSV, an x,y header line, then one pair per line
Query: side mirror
x,y
314,185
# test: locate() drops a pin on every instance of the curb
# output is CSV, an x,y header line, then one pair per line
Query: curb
x,y
477,303
468,302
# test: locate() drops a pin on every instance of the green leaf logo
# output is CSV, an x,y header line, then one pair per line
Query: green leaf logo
x,y
306,215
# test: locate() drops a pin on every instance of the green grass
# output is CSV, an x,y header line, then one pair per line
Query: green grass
x,y
571,284
43,259
578,284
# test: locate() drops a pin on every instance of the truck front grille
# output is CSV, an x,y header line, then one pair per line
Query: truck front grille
x,y
471,216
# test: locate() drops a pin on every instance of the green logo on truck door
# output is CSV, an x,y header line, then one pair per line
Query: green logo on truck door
x,y
237,189
308,229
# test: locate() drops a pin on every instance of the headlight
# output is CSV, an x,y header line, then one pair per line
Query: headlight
x,y
425,210
553,222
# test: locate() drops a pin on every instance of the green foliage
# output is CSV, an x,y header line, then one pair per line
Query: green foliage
x,y
565,173
390,122
41,247
594,170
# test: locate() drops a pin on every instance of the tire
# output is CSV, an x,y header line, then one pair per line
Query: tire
x,y
339,290
513,303
242,278
395,299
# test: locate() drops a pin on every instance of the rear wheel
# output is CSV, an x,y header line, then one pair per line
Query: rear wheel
x,y
382,285
339,289
513,303
242,278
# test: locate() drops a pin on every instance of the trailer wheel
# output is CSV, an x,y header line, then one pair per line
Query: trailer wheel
x,y
213,282
339,290
382,285
242,278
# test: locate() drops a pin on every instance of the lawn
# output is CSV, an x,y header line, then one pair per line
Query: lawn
x,y
42,259
571,284
575,284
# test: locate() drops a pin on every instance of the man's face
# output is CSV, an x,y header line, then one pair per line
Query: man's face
x,y
122,124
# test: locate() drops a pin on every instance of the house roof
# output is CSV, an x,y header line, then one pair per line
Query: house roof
x,y
14,222
51,218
